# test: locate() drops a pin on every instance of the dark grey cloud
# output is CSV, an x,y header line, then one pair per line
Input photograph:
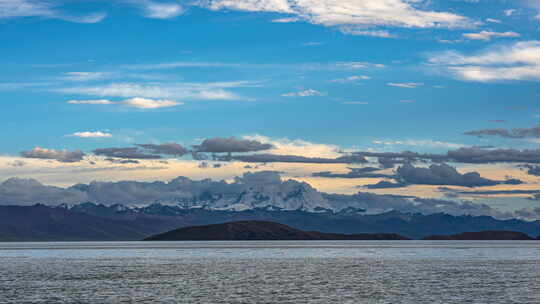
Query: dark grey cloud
x,y
472,155
64,156
367,172
165,149
385,185
500,192
388,162
231,145
508,133
125,153
274,158
442,174
122,161
532,170
481,156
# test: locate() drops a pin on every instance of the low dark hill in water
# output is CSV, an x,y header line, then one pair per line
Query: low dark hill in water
x,y
484,236
259,230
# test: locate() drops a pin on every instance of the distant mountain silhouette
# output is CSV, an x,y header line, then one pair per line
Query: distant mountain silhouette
x,y
259,230
98,222
484,236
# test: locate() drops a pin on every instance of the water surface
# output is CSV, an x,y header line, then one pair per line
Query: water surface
x,y
271,272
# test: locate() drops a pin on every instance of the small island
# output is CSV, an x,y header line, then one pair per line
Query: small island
x,y
260,231
482,236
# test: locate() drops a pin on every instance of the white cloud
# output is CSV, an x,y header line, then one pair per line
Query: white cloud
x,y
145,103
84,76
351,79
304,93
95,102
399,13
90,134
286,20
136,102
160,10
285,146
419,143
510,12
407,85
372,33
487,35
518,61
195,91
492,20
278,6
10,9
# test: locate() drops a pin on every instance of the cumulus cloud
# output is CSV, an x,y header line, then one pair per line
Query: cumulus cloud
x,y
346,13
506,133
487,35
445,175
165,149
91,134
231,145
517,61
64,156
304,93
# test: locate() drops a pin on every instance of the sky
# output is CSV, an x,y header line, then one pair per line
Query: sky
x,y
322,91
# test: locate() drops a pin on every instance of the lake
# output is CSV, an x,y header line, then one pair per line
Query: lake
x,y
271,272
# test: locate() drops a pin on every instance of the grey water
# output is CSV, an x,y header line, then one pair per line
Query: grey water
x,y
271,272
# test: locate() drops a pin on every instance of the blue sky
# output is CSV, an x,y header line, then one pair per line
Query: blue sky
x,y
387,76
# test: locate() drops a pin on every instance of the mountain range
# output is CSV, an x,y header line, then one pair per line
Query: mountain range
x,y
130,210
91,221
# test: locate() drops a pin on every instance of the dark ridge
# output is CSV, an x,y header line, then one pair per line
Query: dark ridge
x,y
259,230
484,236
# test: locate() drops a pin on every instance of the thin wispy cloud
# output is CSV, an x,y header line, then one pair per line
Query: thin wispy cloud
x,y
406,85
397,13
193,91
91,134
304,93
11,9
136,102
488,35
517,61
